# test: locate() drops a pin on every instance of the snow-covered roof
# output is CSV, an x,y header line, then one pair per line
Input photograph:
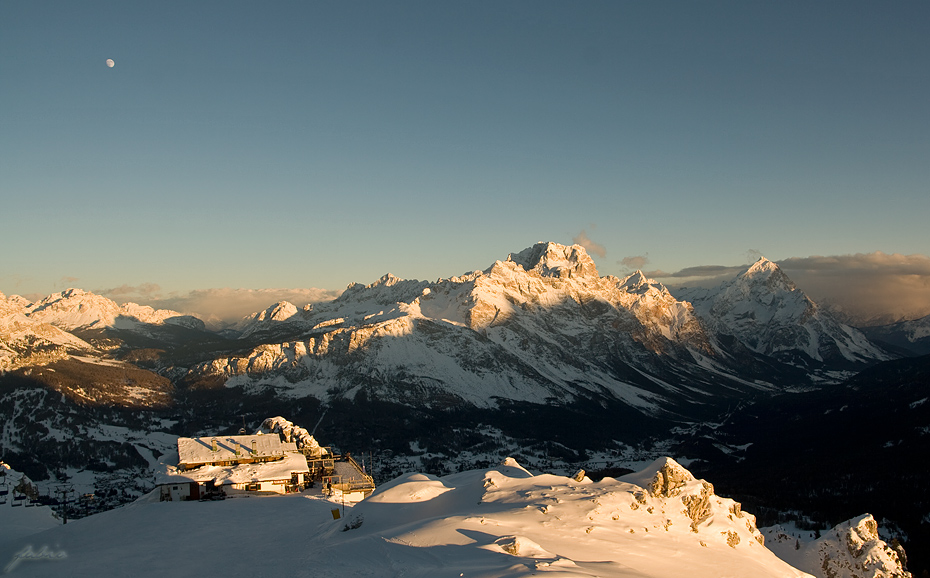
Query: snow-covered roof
x,y
200,450
239,473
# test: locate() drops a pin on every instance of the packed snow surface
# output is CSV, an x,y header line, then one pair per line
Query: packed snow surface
x,y
498,522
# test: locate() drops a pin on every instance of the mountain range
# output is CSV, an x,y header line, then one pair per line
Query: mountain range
x,y
537,352
540,327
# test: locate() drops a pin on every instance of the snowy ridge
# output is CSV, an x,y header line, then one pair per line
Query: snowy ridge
x,y
764,309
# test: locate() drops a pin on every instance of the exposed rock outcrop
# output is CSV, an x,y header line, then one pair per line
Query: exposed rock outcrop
x,y
852,549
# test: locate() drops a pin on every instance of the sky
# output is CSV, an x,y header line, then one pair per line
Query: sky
x,y
245,146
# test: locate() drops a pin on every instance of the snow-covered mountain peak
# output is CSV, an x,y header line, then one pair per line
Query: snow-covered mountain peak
x,y
763,264
635,280
73,308
554,260
76,308
767,272
280,311
768,313
387,280
639,284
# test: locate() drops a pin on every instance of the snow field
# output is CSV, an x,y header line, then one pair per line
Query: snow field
x,y
502,521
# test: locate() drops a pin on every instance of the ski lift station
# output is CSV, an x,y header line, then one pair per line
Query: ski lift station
x,y
278,459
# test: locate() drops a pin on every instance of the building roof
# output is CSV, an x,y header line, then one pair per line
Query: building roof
x,y
239,473
192,451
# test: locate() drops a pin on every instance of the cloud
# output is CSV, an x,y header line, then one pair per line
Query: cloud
x,y
218,307
707,271
128,292
634,262
67,281
589,245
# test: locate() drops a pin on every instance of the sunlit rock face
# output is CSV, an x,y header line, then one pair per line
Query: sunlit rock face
x,y
670,484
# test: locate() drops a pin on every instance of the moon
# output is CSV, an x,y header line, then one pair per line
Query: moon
x,y
110,62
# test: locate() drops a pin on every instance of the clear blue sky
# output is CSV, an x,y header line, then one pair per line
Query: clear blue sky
x,y
313,144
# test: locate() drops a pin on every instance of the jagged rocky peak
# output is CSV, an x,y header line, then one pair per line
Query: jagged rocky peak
x,y
554,260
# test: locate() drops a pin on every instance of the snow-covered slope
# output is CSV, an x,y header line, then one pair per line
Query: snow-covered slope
x,y
764,309
852,549
541,326
503,521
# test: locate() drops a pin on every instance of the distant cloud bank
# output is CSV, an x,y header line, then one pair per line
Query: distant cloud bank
x,y
217,307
